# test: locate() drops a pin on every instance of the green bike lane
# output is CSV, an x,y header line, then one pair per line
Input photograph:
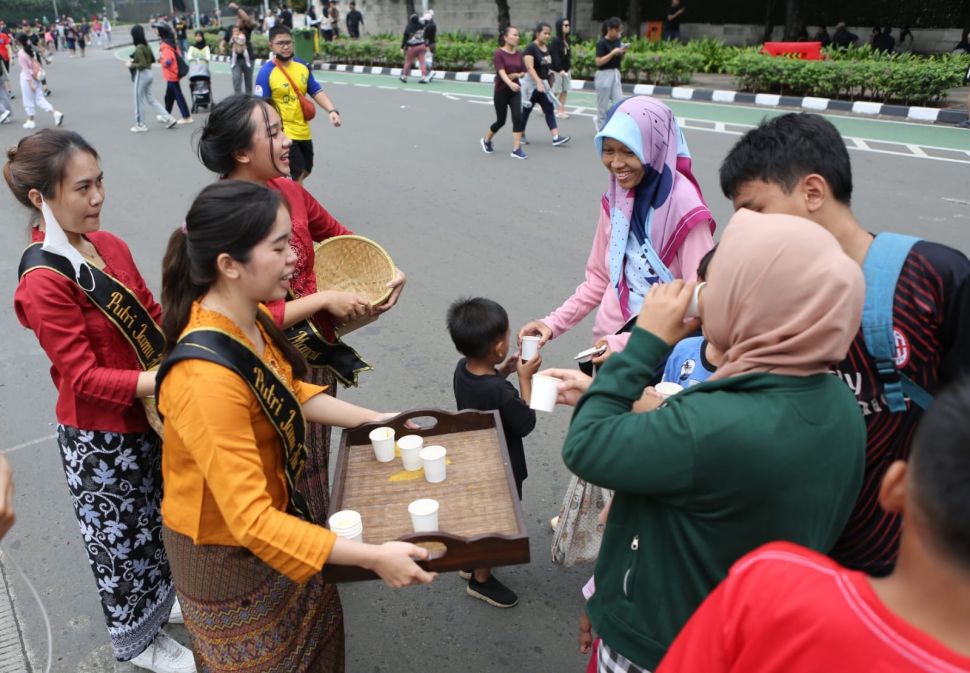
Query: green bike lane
x,y
918,140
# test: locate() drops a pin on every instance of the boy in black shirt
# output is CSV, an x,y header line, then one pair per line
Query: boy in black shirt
x,y
480,329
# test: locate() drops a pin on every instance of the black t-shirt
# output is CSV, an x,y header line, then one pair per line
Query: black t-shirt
x,y
354,19
181,30
675,23
604,47
931,322
286,18
562,58
494,393
542,60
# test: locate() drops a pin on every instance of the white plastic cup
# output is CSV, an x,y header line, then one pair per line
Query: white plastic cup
x,y
545,390
347,524
433,460
530,346
693,308
668,389
382,439
410,446
424,515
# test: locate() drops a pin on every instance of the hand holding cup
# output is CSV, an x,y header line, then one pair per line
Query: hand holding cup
x,y
664,311
573,384
536,327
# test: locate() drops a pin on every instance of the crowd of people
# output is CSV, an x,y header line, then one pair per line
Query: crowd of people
x,y
800,505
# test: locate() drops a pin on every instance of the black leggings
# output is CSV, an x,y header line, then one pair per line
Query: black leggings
x,y
547,109
506,99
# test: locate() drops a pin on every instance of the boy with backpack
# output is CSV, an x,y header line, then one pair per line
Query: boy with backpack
x,y
915,334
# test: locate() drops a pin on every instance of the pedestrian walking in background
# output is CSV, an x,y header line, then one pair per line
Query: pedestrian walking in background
x,y
83,35
414,47
182,34
70,36
609,54
173,71
562,63
509,70
326,24
6,43
6,107
279,79
671,30
140,66
335,18
31,86
537,83
354,21
238,39
431,37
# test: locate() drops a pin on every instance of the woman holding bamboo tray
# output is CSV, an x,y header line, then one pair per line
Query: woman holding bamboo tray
x,y
93,315
245,553
243,139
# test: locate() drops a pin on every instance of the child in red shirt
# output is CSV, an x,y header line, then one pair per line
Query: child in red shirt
x,y
786,609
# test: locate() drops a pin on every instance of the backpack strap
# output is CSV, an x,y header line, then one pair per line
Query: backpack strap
x,y
882,266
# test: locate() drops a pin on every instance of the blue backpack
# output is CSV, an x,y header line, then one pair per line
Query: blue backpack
x,y
881,268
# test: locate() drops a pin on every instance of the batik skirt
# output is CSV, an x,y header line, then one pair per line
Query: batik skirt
x,y
115,481
245,617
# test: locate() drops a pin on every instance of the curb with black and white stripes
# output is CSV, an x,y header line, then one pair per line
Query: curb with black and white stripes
x,y
862,108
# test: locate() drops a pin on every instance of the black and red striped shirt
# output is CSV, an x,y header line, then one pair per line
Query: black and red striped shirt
x,y
931,323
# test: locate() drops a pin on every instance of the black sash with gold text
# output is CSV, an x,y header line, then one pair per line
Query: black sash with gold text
x,y
338,357
117,302
280,405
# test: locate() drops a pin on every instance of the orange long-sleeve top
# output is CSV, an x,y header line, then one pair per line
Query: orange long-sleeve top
x,y
223,463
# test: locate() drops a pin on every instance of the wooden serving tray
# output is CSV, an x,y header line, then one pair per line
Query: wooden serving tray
x,y
479,511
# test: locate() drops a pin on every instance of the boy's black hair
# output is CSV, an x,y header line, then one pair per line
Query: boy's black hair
x,y
612,22
705,263
278,29
940,471
785,149
475,324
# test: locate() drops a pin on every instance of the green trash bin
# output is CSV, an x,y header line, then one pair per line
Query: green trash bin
x,y
303,44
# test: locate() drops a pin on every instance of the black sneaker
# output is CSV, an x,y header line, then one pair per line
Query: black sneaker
x,y
487,149
558,141
492,592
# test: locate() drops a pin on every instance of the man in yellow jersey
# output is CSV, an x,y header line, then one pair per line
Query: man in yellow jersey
x,y
277,79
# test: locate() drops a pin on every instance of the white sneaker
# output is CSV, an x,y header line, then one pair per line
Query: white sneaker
x,y
4,116
58,118
175,617
29,124
139,128
185,120
166,655
162,118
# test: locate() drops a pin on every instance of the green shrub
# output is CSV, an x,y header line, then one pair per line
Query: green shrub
x,y
906,79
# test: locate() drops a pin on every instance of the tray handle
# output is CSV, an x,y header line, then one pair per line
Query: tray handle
x,y
445,422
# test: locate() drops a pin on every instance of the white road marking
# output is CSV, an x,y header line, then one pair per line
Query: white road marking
x,y
33,442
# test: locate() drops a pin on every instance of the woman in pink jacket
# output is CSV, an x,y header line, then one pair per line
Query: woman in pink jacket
x,y
653,225
167,56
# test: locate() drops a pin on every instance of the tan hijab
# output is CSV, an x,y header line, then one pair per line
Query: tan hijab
x,y
781,297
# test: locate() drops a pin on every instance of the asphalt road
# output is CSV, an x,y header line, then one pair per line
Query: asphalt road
x,y
406,170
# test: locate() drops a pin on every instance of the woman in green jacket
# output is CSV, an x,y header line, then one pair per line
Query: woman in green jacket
x,y
771,448
140,65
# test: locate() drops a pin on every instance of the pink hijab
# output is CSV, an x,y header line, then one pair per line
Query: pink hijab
x,y
781,297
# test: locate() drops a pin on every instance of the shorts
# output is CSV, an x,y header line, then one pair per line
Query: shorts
x,y
561,83
301,158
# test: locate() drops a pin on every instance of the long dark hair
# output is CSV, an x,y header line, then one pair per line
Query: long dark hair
x,y
539,28
138,35
561,34
504,33
24,42
165,34
228,130
231,217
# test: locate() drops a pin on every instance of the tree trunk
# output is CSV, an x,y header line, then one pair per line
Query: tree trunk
x,y
633,18
504,16
769,21
793,19
409,4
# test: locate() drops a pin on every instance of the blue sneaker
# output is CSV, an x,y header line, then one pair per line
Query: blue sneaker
x,y
560,140
519,154
487,146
